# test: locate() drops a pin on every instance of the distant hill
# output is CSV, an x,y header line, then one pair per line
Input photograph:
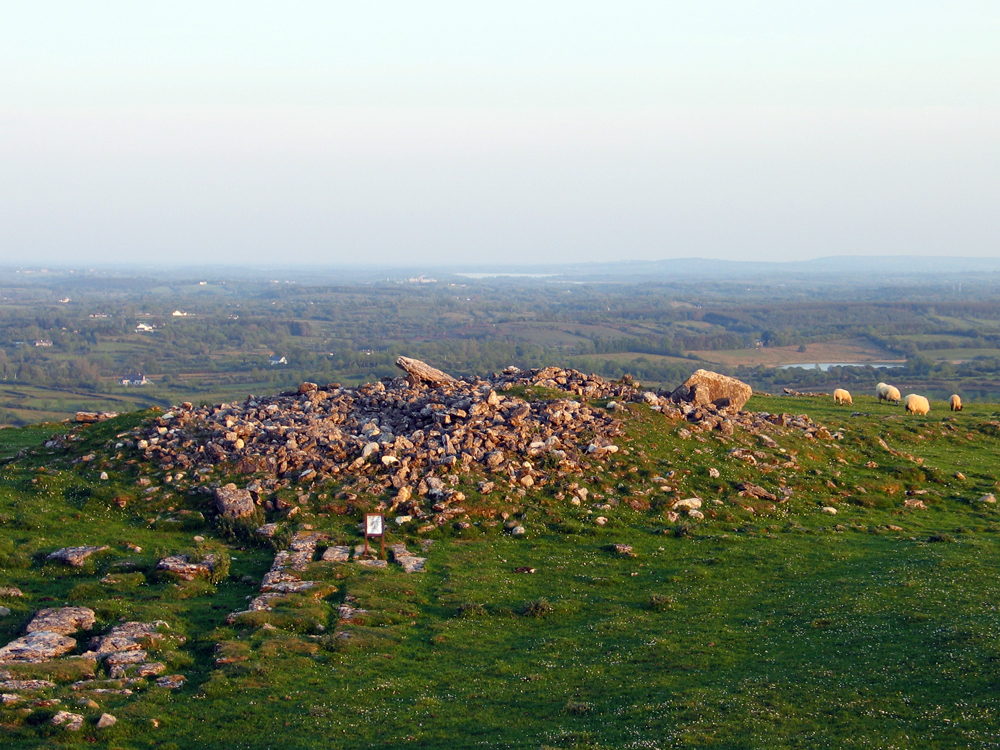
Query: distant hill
x,y
704,268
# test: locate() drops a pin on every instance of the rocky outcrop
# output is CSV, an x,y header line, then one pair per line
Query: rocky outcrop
x,y
75,556
27,685
37,647
183,568
64,620
705,387
69,721
124,649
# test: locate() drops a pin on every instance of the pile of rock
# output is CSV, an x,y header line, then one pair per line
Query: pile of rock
x,y
397,432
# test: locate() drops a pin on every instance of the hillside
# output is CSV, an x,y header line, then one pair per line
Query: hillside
x,y
583,565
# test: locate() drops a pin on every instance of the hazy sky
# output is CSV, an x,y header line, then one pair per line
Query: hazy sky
x,y
474,132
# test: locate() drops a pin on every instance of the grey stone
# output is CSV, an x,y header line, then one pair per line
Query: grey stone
x,y
64,620
233,502
37,647
75,556
106,720
69,721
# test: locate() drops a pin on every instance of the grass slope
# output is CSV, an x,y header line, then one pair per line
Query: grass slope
x,y
764,625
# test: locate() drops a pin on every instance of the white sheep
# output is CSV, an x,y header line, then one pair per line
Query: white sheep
x,y
886,392
915,404
840,396
955,402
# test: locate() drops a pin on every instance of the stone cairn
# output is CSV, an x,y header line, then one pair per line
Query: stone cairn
x,y
407,440
399,433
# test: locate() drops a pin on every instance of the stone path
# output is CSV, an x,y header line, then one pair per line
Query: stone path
x,y
283,578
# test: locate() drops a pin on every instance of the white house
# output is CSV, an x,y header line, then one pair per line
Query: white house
x,y
274,359
144,328
134,378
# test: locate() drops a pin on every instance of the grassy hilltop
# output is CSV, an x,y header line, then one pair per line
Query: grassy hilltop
x,y
766,624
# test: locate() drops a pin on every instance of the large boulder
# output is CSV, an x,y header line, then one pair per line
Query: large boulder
x,y
705,387
417,372
233,502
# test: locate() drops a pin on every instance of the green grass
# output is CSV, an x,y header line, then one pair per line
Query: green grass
x,y
767,625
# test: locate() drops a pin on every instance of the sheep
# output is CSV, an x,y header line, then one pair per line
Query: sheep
x,y
886,392
915,404
840,396
955,402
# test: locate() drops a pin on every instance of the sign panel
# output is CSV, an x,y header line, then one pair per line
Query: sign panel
x,y
374,524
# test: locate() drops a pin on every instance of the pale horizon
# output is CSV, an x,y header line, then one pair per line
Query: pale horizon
x,y
443,134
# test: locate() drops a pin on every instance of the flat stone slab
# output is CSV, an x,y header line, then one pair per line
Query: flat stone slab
x,y
37,647
150,669
407,560
372,563
64,620
289,587
129,636
116,658
337,553
75,556
26,685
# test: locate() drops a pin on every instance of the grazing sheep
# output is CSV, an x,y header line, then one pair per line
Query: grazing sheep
x,y
840,396
955,402
886,392
915,404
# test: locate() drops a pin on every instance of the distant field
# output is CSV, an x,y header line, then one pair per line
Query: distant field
x,y
959,355
29,404
843,350
591,360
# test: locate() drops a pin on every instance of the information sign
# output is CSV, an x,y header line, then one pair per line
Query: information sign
x,y
375,526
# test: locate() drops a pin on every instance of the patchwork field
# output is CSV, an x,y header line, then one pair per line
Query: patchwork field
x,y
848,350
771,622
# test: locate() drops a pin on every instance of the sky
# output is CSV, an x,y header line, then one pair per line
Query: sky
x,y
471,133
